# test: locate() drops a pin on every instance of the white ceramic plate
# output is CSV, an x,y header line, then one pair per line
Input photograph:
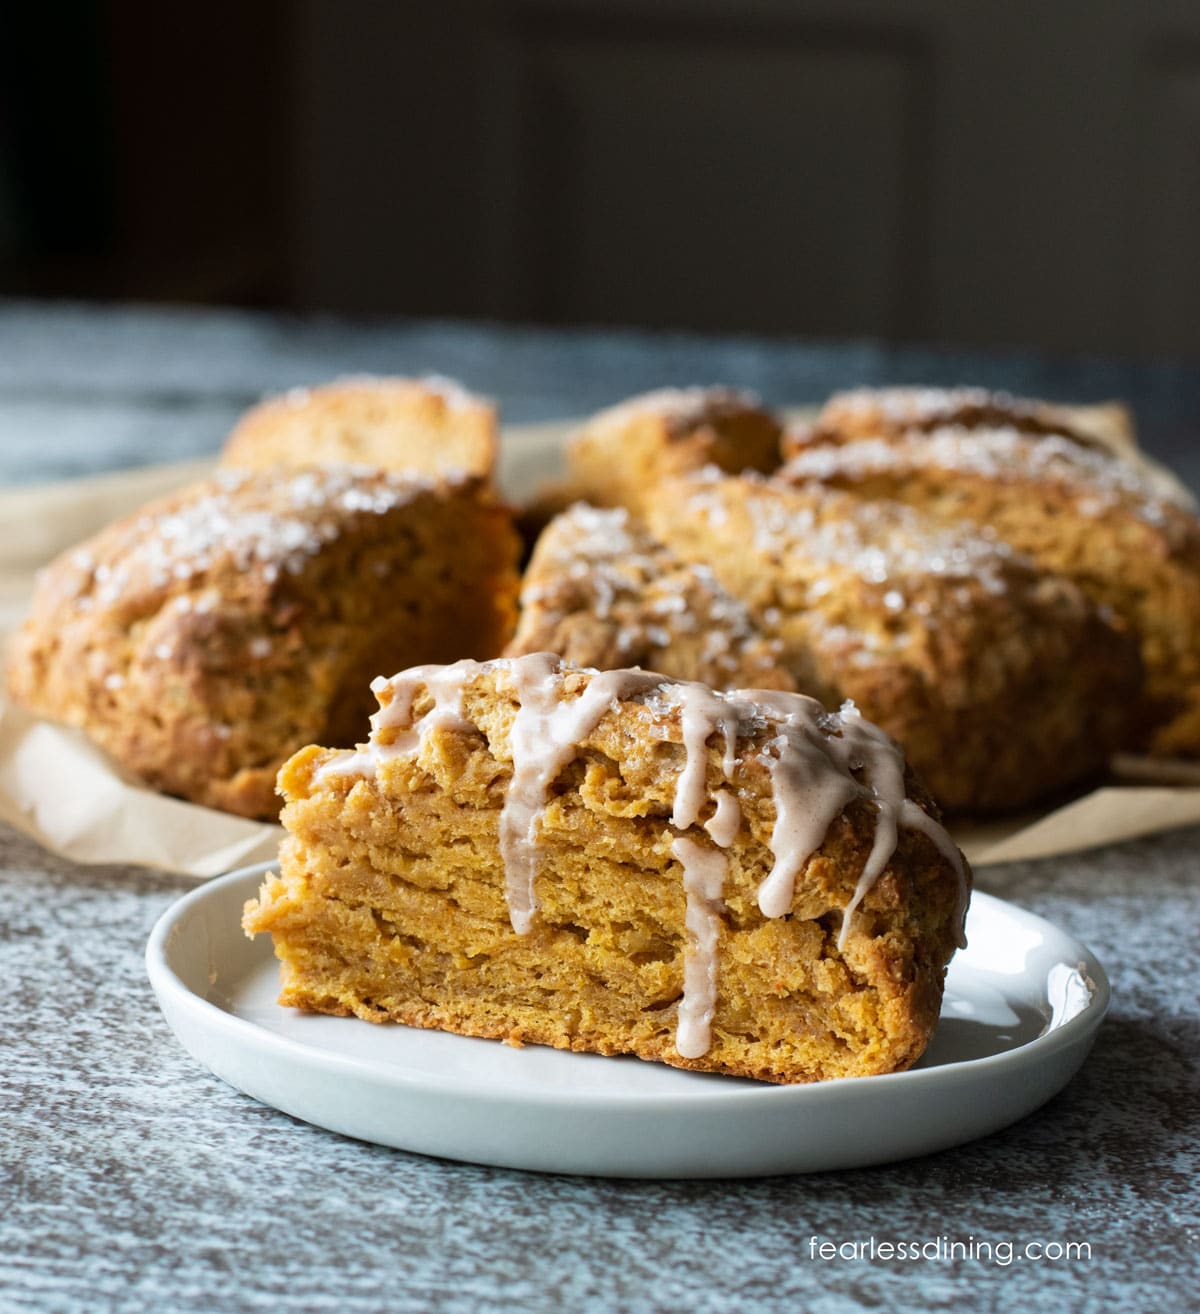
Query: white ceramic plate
x,y
1021,1010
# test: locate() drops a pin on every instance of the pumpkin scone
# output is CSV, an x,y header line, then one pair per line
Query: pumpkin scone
x,y
1126,541
885,412
601,591
619,863
1003,683
622,454
425,426
204,639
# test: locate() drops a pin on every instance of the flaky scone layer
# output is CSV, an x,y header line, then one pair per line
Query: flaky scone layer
x,y
396,897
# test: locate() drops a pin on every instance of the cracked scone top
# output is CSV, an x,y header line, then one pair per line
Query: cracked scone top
x,y
205,638
1002,681
1094,481
601,591
1126,536
618,862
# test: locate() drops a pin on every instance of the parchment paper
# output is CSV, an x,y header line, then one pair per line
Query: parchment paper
x,y
57,787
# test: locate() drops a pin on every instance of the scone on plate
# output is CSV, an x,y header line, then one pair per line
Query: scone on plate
x,y
622,864
204,639
601,591
426,426
622,454
1002,681
1128,541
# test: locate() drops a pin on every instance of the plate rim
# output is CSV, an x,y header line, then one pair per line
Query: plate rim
x,y
169,986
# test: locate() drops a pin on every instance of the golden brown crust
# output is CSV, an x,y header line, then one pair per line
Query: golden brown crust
x,y
391,902
1128,544
423,426
601,591
883,412
205,638
621,455
1002,683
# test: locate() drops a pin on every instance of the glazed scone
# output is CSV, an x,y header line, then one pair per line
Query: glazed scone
x,y
884,412
621,455
423,426
1002,682
206,638
1130,545
622,864
601,591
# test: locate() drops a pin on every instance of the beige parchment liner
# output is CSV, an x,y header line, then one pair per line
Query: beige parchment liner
x,y
65,793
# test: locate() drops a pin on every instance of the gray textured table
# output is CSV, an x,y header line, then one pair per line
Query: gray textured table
x,y
132,1180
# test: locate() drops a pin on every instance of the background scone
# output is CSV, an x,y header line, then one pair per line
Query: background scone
x,y
428,426
622,454
601,591
883,412
1002,682
618,863
1118,532
204,639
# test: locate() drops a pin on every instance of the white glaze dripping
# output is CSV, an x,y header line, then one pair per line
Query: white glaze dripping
x,y
544,738
812,761
864,746
808,795
703,884
361,762
916,818
445,685
701,713
882,765
860,746
726,821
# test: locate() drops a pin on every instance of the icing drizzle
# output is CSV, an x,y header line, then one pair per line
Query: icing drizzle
x,y
703,885
819,762
544,738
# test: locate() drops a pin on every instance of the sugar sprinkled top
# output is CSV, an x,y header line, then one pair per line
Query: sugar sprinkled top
x,y
1100,480
918,407
251,520
453,393
889,543
683,408
600,561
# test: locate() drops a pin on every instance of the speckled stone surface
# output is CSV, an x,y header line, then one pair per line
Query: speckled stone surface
x,y
137,1181
132,1180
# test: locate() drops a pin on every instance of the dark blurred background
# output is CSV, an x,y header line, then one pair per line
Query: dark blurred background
x,y
953,171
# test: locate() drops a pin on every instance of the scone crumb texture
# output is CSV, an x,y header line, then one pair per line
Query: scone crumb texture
x,y
729,800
